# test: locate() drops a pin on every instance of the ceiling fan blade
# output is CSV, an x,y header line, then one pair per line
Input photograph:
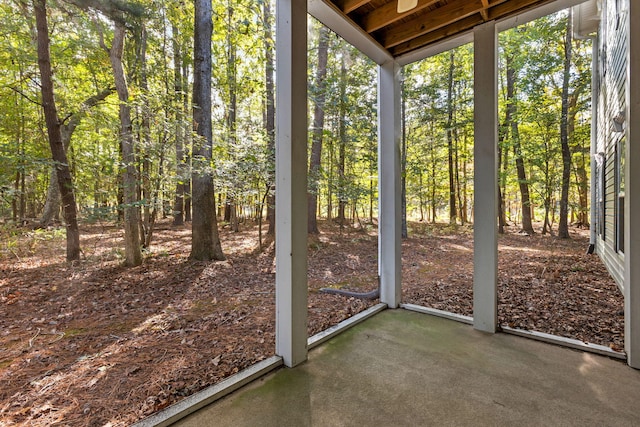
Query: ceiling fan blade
x,y
406,5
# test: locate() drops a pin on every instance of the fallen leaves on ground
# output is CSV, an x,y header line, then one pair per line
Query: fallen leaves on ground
x,y
95,343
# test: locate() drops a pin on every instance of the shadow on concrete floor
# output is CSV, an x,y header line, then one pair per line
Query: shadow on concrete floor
x,y
402,368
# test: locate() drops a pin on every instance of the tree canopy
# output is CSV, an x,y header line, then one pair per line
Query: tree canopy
x,y
544,97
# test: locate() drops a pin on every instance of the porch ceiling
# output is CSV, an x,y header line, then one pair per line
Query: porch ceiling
x,y
430,22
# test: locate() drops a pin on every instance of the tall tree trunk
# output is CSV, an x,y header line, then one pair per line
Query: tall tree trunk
x,y
503,180
319,95
270,116
548,189
452,190
19,138
232,112
456,161
580,165
464,203
563,224
178,204
502,133
59,156
145,130
404,232
342,141
205,241
133,253
188,141
330,180
512,110
434,167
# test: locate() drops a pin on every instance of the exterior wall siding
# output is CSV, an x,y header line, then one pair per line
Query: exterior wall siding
x,y
611,99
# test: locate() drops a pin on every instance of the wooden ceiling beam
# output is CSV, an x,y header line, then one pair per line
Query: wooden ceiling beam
x,y
349,6
427,22
437,35
483,12
504,9
435,19
388,14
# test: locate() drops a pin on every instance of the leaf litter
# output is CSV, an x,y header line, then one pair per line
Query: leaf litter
x,y
95,343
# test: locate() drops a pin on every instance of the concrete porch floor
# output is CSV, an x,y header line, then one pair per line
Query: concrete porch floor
x,y
402,368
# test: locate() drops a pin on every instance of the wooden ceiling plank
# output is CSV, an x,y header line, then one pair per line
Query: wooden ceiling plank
x,y
483,12
503,9
425,23
440,34
388,14
349,6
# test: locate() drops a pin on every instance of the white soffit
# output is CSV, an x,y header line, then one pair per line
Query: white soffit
x,y
586,19
332,18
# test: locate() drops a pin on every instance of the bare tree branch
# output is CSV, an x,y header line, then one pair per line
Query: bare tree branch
x,y
25,96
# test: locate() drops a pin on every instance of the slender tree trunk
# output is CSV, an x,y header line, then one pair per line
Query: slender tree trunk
x,y
456,162
147,190
205,241
319,94
580,165
342,135
330,180
503,181
19,138
563,225
523,184
178,204
463,203
23,194
59,156
232,112
420,198
404,232
546,227
133,253
434,166
188,142
270,117
16,196
502,133
452,189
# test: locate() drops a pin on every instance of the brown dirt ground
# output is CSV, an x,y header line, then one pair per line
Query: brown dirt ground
x,y
94,343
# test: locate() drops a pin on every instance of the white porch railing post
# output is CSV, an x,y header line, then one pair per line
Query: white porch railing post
x,y
389,213
632,192
291,181
485,187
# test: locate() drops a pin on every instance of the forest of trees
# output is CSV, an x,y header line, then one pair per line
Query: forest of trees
x,y
105,115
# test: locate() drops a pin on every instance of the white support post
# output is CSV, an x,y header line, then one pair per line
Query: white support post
x,y
291,181
595,78
632,192
485,186
389,221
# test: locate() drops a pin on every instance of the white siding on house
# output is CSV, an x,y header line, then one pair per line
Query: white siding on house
x,y
611,97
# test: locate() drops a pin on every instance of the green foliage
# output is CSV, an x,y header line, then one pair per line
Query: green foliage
x,y
18,242
536,53
161,112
